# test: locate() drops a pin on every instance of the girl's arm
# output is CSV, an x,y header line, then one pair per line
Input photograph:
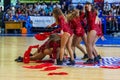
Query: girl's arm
x,y
52,25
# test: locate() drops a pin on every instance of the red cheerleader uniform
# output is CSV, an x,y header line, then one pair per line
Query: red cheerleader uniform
x,y
76,26
51,44
91,23
63,25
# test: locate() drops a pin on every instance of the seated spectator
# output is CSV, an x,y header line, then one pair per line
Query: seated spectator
x,y
65,5
118,10
28,23
57,5
19,11
71,7
8,15
114,10
106,8
38,6
42,13
16,17
68,2
63,8
109,19
18,5
48,9
43,6
49,14
30,7
51,4
79,6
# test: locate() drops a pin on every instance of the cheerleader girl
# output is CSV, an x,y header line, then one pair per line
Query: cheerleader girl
x,y
75,22
92,34
66,35
50,47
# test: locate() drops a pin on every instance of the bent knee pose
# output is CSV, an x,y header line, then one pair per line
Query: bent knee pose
x,y
76,43
50,47
66,35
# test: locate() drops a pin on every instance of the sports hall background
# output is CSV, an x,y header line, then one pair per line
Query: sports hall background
x,y
39,12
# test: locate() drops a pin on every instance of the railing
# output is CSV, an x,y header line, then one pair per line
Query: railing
x,y
112,25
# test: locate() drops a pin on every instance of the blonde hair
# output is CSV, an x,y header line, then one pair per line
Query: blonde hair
x,y
72,15
57,12
53,37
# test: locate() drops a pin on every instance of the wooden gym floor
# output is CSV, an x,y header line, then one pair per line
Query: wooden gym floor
x,y
12,47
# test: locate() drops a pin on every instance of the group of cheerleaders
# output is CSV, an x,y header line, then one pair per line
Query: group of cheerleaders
x,y
72,32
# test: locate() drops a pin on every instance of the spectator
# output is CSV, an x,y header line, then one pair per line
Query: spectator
x,y
57,5
71,7
106,8
118,10
68,2
51,4
18,5
19,11
16,17
42,13
12,9
43,6
28,23
49,14
63,9
38,6
30,7
114,10
79,6
8,15
48,9
65,5
109,19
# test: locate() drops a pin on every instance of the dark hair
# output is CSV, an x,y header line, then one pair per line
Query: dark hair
x,y
88,3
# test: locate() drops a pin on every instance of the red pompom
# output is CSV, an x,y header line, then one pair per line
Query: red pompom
x,y
39,66
58,73
51,68
110,67
40,36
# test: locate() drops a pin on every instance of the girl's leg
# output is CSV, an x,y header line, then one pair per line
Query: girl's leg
x,y
64,40
95,53
36,52
80,47
38,56
97,56
90,41
69,46
48,51
84,38
74,45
